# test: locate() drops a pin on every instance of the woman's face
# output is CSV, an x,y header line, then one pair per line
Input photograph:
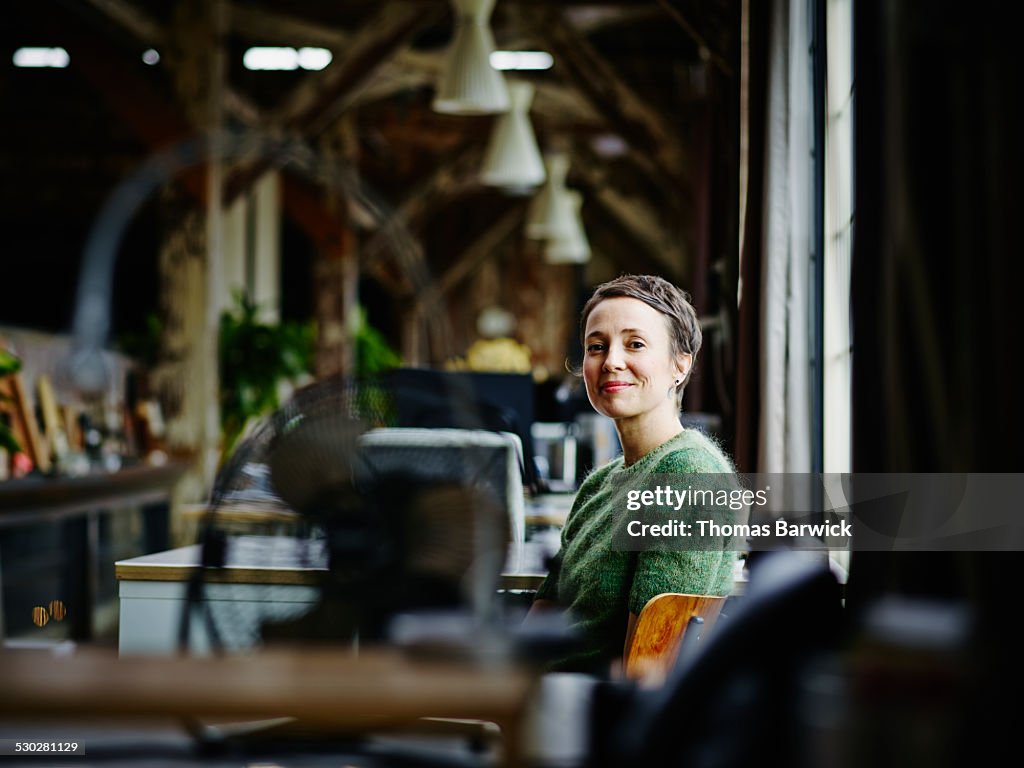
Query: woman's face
x,y
628,365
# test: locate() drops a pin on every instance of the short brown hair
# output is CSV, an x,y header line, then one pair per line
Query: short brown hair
x,y
657,293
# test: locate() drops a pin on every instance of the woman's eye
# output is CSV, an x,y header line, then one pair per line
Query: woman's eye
x,y
595,347
636,345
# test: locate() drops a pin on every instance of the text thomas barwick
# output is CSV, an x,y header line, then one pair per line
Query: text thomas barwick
x,y
782,528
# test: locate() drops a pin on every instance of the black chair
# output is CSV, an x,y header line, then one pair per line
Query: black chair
x,y
730,701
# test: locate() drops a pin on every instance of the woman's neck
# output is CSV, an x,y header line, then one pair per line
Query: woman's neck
x,y
638,438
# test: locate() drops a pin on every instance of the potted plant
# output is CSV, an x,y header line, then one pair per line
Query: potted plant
x,y
9,445
256,359
9,364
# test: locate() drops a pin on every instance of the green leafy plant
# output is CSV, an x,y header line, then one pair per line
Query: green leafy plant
x,y
373,356
256,357
373,353
9,364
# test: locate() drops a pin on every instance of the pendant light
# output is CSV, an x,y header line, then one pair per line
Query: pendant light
x,y
512,160
551,213
573,248
469,85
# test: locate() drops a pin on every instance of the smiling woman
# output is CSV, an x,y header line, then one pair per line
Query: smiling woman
x,y
631,374
641,338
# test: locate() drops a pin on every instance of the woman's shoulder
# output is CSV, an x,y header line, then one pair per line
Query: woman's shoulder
x,y
597,476
694,451
591,487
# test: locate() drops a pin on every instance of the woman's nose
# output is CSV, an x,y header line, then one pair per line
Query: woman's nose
x,y
613,359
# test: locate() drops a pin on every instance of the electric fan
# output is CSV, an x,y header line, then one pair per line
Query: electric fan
x,y
426,531
383,527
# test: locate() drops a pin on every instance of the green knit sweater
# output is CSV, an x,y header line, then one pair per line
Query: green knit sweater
x,y
600,585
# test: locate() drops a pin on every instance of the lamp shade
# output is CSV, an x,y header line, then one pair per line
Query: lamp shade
x,y
512,160
469,85
573,248
551,213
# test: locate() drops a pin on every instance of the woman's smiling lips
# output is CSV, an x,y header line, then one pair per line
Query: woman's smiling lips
x,y
615,386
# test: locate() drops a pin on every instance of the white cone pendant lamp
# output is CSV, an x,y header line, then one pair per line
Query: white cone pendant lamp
x,y
512,160
551,212
573,248
469,85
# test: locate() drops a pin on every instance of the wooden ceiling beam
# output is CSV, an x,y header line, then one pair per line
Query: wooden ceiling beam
x,y
261,24
642,126
636,216
707,51
594,18
405,68
450,179
149,31
481,249
130,17
322,98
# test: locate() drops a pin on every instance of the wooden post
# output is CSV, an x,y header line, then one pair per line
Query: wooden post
x,y
177,377
336,268
211,434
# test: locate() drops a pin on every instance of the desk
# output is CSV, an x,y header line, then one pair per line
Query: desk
x,y
549,509
264,578
252,518
30,501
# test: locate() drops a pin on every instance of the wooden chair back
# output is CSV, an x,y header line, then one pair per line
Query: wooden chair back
x,y
652,649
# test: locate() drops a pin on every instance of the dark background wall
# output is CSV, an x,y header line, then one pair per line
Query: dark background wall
x,y
936,298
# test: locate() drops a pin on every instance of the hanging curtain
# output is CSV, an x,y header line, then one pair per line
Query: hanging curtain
x,y
748,319
784,434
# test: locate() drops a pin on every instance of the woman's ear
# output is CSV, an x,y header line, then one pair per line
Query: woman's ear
x,y
683,364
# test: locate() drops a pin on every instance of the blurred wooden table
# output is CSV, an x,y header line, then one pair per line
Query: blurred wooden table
x,y
327,689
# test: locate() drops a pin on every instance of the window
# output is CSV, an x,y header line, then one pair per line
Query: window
x,y
839,219
837,341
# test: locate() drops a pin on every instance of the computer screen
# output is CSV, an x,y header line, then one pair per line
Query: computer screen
x,y
480,459
498,402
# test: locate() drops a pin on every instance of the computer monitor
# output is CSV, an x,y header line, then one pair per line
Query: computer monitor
x,y
497,402
486,461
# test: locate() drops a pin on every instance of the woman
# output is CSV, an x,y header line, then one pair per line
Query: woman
x,y
641,338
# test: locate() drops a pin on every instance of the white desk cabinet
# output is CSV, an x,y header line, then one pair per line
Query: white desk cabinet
x,y
265,578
